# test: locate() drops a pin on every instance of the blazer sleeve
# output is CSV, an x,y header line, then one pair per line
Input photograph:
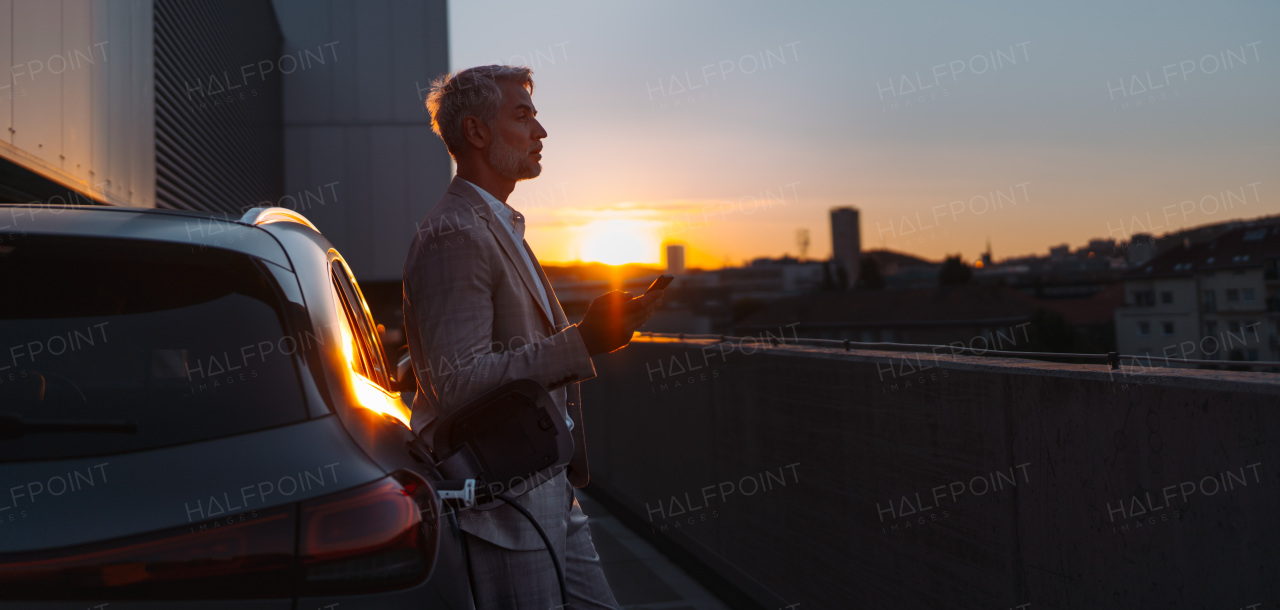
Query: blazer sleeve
x,y
451,286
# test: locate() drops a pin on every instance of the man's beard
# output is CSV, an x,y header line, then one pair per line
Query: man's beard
x,y
512,163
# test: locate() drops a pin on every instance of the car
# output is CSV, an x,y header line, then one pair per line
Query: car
x,y
196,411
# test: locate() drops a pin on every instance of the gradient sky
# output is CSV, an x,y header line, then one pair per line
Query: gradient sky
x,y
814,125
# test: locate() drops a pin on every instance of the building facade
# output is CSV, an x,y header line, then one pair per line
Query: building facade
x,y
846,241
77,110
675,259
1213,300
317,106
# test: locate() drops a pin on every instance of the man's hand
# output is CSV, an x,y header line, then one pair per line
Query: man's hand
x,y
613,317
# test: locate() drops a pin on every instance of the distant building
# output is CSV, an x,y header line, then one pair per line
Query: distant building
x,y
904,270
1214,300
1090,320
767,278
1063,274
696,302
984,317
675,259
846,240
1100,247
1142,248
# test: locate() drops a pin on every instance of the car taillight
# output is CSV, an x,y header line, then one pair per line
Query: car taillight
x,y
253,558
371,538
368,539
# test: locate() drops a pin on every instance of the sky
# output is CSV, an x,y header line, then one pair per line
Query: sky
x,y
730,126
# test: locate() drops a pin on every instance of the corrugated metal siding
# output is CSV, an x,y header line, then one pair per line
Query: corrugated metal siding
x,y
218,83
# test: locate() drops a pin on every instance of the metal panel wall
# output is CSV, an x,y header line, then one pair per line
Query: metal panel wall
x,y
7,94
37,116
218,73
76,107
77,89
361,160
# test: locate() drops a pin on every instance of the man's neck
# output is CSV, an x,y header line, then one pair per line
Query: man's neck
x,y
484,177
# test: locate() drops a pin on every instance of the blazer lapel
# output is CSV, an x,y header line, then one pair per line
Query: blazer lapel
x,y
509,247
558,319
577,473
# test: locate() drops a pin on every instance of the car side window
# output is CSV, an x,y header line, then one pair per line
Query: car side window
x,y
368,358
351,334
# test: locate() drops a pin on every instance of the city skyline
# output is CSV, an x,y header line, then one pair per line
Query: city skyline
x,y
1045,252
729,128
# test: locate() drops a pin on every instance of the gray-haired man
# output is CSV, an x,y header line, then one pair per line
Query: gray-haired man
x,y
479,312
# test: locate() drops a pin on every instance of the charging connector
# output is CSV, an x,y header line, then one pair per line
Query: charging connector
x,y
466,493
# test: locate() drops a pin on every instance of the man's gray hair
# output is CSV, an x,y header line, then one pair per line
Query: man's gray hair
x,y
471,92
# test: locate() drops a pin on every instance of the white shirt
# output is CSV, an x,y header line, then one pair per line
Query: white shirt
x,y
513,222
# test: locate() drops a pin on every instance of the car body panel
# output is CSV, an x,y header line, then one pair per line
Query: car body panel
x,y
164,604
180,486
200,231
312,259
355,434
448,569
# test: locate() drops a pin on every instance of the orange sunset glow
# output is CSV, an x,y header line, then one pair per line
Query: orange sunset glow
x,y
618,241
935,164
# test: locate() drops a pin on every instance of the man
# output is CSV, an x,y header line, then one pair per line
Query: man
x,y
479,312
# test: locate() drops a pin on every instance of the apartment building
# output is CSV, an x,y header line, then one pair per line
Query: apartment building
x,y
1213,300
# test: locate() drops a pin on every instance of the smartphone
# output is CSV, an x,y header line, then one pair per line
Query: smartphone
x,y
660,283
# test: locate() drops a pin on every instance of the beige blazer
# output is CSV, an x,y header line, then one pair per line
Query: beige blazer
x,y
473,321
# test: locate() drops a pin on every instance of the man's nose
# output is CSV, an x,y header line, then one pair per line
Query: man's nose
x,y
538,132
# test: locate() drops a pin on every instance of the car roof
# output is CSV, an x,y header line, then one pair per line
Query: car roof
x,y
245,234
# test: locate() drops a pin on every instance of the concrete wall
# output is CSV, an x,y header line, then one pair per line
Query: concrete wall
x,y
912,481
78,103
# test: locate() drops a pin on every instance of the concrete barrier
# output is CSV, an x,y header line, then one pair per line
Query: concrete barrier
x,y
834,479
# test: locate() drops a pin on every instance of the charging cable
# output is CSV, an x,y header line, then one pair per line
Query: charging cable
x,y
466,495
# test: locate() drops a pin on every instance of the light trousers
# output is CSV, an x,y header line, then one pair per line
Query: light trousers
x,y
506,579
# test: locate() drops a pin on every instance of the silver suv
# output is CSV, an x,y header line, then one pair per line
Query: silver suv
x,y
197,412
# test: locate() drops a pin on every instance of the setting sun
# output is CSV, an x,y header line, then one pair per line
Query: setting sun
x,y
618,241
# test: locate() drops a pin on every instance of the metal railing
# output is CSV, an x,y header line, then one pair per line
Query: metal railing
x,y
1113,360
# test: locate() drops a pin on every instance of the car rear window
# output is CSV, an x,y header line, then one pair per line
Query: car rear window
x,y
185,343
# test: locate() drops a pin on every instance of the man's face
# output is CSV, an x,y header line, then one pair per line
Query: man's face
x,y
517,135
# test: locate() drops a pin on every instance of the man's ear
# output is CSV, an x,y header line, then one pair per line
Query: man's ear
x,y
475,131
